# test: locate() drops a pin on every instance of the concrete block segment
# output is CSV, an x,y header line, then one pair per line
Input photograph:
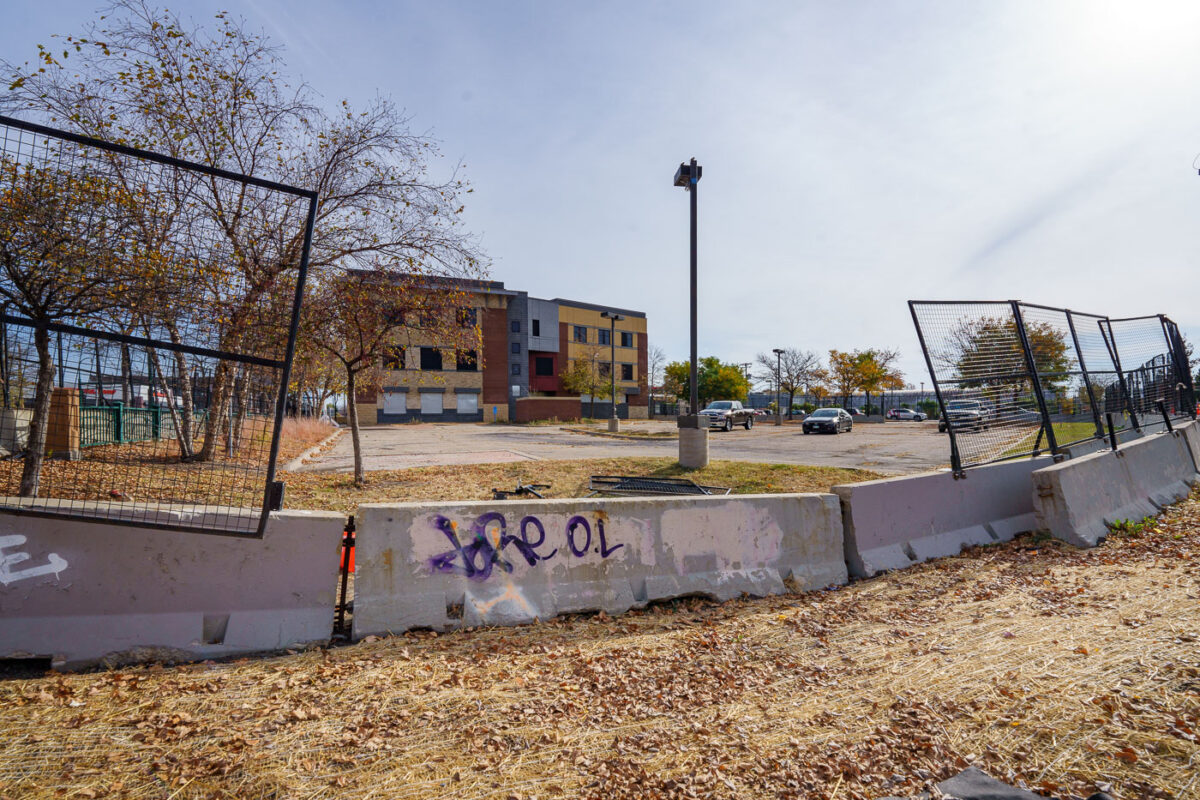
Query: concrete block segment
x,y
81,593
693,448
507,562
1078,499
897,522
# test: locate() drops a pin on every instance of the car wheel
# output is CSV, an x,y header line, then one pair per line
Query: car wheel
x,y
749,423
728,424
807,431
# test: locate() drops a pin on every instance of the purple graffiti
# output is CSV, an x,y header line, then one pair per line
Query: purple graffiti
x,y
484,553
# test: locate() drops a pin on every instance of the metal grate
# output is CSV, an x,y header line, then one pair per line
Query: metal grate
x,y
1014,379
148,325
638,487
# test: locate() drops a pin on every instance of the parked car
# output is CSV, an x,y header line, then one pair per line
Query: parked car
x,y
906,413
724,414
828,420
854,412
966,415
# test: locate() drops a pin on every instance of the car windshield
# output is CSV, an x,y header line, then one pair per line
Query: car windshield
x,y
825,412
721,405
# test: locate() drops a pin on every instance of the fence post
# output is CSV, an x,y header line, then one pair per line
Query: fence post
x,y
156,423
955,459
1110,341
1033,376
1087,379
118,414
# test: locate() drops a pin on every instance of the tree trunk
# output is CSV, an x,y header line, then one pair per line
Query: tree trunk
x,y
185,443
791,401
216,411
352,415
36,449
187,431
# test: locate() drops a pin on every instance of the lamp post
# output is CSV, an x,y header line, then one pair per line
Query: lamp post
x,y
778,386
693,439
614,423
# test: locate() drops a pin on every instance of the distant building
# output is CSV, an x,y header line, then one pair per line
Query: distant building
x,y
526,344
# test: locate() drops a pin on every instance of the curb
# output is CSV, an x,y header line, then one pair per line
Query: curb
x,y
298,461
627,437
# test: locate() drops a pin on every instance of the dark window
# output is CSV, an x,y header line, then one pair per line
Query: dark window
x,y
537,327
431,358
393,358
580,333
602,336
605,369
466,317
627,372
626,339
516,348
543,365
466,360
395,316
516,326
516,369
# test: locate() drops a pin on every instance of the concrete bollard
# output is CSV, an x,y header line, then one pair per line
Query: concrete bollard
x,y
693,448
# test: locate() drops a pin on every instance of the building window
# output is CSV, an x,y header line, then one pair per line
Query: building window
x,y
427,319
537,327
580,333
543,366
467,404
516,326
626,339
431,358
602,336
394,316
466,360
466,318
516,348
431,403
627,372
393,357
516,369
605,369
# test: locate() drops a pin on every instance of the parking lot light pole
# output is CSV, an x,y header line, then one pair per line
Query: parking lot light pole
x,y
693,438
778,386
614,423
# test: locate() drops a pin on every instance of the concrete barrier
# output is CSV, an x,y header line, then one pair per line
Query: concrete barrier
x,y
897,522
1078,499
508,562
81,593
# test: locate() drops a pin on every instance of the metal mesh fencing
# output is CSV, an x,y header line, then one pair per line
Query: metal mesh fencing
x,y
148,325
1015,379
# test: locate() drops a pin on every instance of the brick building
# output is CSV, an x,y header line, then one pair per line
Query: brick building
x,y
526,344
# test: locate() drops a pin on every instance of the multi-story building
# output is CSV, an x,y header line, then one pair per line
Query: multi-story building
x,y
526,343
423,379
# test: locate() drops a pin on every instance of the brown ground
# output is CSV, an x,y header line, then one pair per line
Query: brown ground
x,y
1056,668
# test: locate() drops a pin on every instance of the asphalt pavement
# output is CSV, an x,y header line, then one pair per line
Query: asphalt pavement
x,y
890,448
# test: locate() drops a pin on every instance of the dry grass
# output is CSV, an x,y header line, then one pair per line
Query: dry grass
x,y
1060,669
334,491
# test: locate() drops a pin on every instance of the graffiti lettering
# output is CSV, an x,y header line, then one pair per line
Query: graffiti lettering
x,y
489,537
54,562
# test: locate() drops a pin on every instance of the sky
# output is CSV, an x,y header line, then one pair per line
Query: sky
x,y
856,154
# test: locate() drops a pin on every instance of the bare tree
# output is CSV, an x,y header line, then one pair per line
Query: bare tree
x,y
656,360
143,77
794,370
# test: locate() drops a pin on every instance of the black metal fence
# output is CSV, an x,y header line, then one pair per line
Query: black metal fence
x,y
150,310
1017,379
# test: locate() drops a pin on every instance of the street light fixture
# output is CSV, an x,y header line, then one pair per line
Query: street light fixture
x,y
614,424
778,386
693,439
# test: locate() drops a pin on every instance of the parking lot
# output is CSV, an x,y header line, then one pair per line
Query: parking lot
x,y
892,447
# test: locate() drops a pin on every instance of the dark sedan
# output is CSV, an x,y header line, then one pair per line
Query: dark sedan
x,y
828,420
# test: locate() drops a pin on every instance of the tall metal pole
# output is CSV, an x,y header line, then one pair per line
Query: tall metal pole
x,y
612,367
778,388
693,188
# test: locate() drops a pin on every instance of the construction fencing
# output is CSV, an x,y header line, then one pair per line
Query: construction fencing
x,y
148,323
1017,379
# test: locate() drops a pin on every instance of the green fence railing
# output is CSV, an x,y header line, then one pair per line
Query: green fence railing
x,y
119,424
